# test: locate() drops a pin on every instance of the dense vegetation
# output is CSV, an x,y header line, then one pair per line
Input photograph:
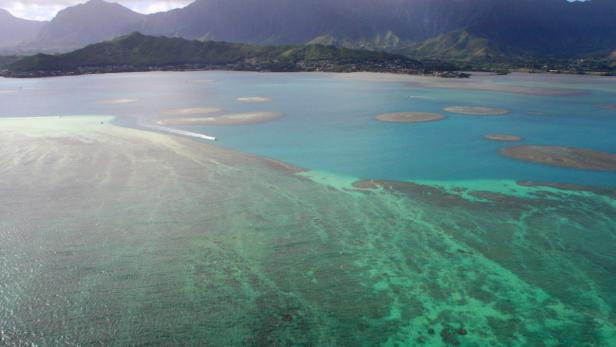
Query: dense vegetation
x,y
6,60
495,35
137,52
470,52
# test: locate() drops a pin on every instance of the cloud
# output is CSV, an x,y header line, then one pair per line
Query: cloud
x,y
47,9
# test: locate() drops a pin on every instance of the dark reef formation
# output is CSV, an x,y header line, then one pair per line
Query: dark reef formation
x,y
577,158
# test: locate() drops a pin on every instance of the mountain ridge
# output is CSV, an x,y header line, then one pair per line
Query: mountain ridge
x,y
459,30
14,30
87,23
459,45
138,52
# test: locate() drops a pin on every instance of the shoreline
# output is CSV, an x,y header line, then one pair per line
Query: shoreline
x,y
367,76
183,68
464,74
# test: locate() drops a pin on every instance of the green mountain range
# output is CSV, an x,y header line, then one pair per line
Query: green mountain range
x,y
551,34
458,45
137,52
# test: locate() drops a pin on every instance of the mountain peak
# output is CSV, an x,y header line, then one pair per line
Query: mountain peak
x,y
135,35
15,30
4,14
464,28
96,5
93,21
102,3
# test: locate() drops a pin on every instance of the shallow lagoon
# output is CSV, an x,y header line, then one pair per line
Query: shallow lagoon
x,y
329,120
120,236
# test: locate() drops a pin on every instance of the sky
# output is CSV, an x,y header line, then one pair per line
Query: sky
x,y
47,9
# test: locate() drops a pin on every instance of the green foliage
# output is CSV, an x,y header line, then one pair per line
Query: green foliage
x,y
315,52
141,52
456,46
612,60
6,60
471,52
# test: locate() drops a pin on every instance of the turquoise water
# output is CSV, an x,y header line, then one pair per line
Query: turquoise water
x,y
329,124
116,236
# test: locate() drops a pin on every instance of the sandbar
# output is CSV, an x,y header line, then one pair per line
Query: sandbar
x,y
228,119
569,157
253,99
503,137
607,106
191,111
476,82
512,89
410,117
476,110
116,101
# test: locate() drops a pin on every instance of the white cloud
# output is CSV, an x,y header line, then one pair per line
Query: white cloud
x,y
47,9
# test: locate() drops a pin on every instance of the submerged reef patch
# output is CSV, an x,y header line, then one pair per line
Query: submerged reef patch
x,y
196,244
577,158
610,192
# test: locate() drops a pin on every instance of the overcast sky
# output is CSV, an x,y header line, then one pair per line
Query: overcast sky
x,y
46,9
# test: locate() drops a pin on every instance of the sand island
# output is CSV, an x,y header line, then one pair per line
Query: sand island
x,y
228,119
577,158
254,100
191,111
410,117
476,110
116,101
503,137
476,82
